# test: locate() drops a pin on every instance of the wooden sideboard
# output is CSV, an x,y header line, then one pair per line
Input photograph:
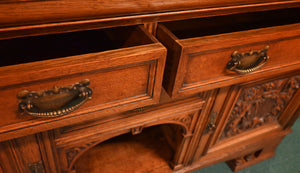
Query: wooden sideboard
x,y
146,86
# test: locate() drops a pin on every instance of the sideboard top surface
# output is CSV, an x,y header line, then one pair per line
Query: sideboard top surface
x,y
20,18
20,12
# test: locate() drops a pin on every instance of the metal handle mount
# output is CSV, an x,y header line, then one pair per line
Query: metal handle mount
x,y
243,63
55,102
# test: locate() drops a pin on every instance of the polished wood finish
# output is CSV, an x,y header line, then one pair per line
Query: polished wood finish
x,y
106,71
30,12
162,99
188,55
124,20
113,155
252,110
75,140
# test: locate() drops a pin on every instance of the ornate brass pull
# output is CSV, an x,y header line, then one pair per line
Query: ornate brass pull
x,y
55,102
243,63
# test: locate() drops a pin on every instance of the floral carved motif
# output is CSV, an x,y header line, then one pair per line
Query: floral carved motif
x,y
260,104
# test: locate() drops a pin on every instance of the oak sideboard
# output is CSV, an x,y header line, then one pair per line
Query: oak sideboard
x,y
146,86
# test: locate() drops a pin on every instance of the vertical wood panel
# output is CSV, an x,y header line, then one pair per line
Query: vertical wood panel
x,y
26,152
151,27
7,160
48,152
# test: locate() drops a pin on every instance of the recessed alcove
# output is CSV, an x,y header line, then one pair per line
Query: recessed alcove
x,y
150,151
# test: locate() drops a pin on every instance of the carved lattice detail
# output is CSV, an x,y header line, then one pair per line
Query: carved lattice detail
x,y
260,104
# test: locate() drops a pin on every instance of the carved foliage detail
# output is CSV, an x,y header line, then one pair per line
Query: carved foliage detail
x,y
186,120
71,153
260,104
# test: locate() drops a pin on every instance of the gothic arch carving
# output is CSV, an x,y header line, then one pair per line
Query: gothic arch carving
x,y
73,153
184,121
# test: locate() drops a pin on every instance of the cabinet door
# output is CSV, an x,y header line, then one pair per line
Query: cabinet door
x,y
244,113
260,104
27,154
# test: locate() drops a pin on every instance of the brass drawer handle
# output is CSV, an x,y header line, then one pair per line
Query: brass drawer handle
x,y
243,63
55,102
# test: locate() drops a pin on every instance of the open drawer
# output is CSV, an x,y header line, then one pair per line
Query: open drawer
x,y
214,52
75,77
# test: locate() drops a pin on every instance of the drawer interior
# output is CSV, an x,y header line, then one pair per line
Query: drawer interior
x,y
37,48
232,23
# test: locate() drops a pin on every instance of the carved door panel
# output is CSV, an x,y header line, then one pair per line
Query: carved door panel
x,y
247,108
260,104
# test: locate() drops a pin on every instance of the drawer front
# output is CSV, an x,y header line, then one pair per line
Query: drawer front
x,y
202,61
120,80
